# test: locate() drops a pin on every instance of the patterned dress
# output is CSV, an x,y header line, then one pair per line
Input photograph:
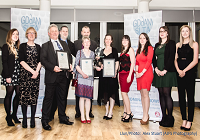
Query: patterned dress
x,y
85,86
15,75
29,88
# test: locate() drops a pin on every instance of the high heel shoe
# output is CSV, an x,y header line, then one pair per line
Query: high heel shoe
x,y
145,122
14,117
88,121
24,124
84,121
129,118
109,118
9,121
123,117
188,129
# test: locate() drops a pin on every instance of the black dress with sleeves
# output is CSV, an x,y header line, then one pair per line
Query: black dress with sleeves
x,y
108,86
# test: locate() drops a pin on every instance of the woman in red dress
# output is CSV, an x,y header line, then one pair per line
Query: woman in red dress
x,y
126,75
144,73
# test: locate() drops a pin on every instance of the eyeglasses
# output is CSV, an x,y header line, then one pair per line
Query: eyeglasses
x,y
30,33
162,31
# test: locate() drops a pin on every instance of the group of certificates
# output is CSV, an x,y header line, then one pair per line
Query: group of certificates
x,y
87,65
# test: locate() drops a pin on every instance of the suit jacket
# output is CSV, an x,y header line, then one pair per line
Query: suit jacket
x,y
23,53
71,47
169,56
78,45
48,59
8,62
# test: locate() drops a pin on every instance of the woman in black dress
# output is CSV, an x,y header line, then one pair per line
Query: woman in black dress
x,y
186,60
29,57
10,74
108,91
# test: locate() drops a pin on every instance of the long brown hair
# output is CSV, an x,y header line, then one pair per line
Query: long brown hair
x,y
168,36
145,50
129,44
10,43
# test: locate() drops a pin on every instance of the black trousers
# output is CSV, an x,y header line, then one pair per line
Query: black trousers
x,y
61,96
54,104
187,84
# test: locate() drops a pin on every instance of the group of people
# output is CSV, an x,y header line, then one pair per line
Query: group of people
x,y
174,66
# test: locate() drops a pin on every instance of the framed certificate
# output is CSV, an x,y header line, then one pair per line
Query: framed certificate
x,y
63,62
87,66
108,67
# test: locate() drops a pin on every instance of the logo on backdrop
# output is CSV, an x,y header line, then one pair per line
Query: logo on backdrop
x,y
29,21
142,25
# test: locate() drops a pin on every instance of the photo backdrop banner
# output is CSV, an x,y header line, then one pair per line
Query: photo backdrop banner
x,y
21,19
134,25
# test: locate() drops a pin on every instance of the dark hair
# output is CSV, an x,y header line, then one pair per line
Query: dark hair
x,y
129,43
145,50
111,39
64,26
168,36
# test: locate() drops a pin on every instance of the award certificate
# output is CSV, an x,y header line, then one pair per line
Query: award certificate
x,y
87,66
108,67
63,62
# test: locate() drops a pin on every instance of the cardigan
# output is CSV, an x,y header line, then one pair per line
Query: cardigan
x,y
169,56
8,62
23,53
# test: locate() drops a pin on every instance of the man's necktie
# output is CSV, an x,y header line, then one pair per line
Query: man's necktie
x,y
59,47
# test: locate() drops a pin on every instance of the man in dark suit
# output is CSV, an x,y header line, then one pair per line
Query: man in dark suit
x,y
54,77
63,36
78,46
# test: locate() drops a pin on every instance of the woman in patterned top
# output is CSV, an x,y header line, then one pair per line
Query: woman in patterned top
x,y
29,57
10,74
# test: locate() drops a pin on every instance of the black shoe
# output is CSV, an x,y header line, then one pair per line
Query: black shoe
x,y
91,115
108,118
162,121
169,121
123,116
9,121
46,126
104,117
14,117
182,127
77,115
32,123
24,124
66,121
129,118
188,129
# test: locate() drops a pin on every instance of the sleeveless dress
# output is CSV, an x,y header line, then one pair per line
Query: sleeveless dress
x,y
85,86
169,79
144,62
108,86
29,87
125,64
16,73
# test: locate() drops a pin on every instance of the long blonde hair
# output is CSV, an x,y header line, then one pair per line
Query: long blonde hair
x,y
190,36
10,43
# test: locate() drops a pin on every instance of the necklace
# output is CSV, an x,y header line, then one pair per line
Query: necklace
x,y
161,45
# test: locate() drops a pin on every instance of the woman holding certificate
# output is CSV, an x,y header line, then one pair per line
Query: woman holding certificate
x,y
144,73
126,75
10,74
108,86
29,57
186,60
83,72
